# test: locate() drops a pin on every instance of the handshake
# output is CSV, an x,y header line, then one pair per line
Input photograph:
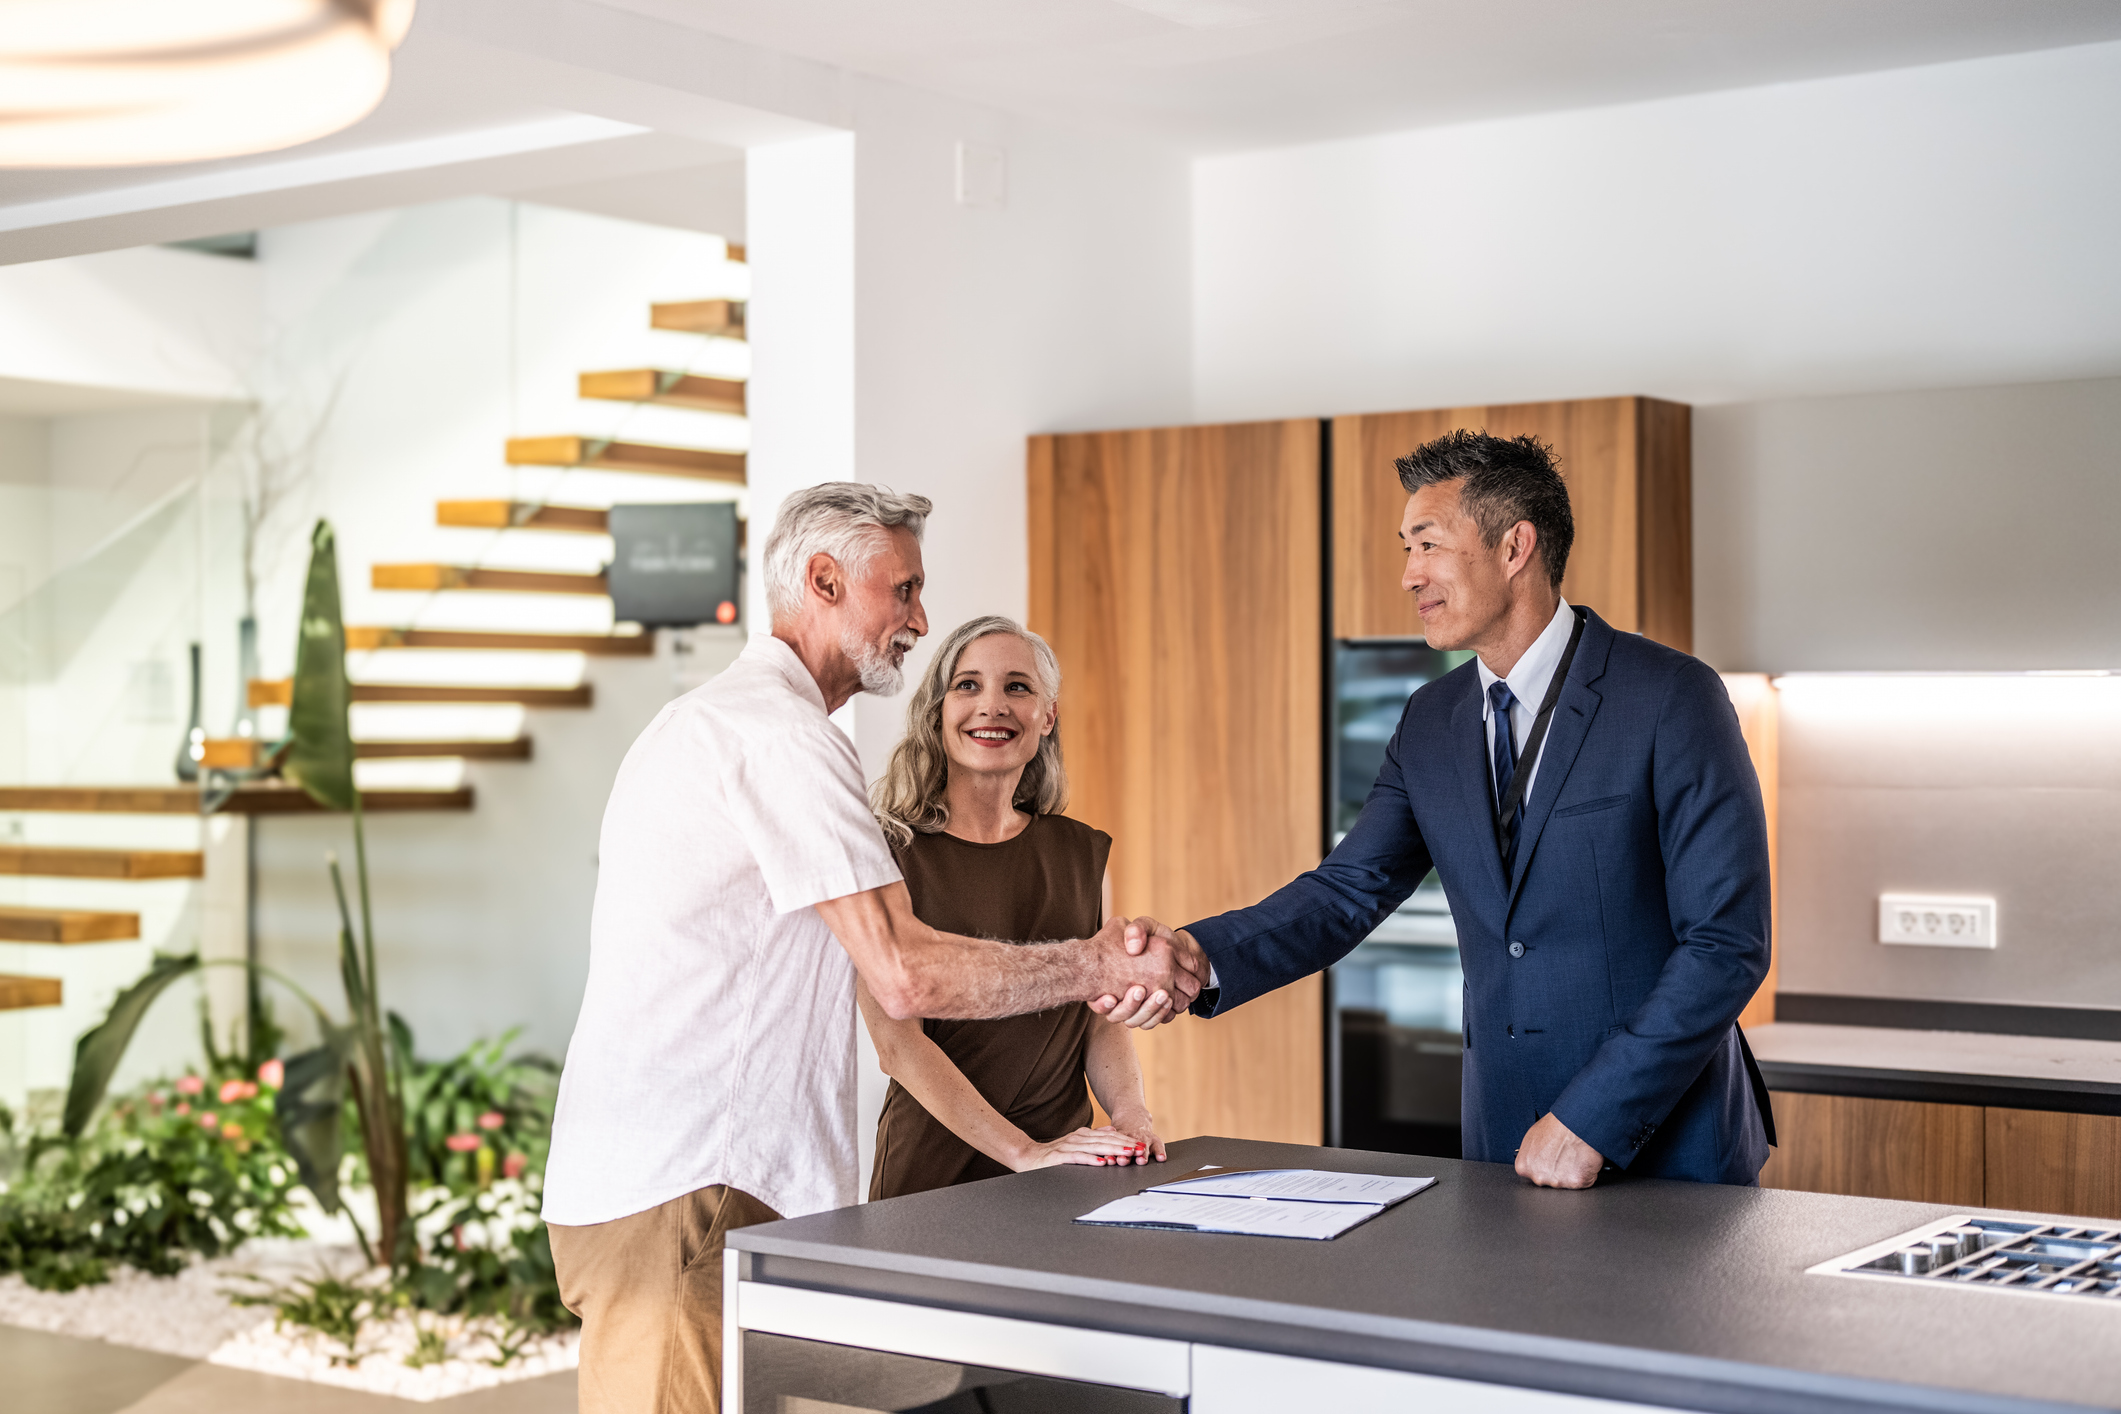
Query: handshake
x,y
1153,973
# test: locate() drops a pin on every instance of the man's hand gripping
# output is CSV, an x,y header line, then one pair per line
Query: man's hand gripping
x,y
1148,1005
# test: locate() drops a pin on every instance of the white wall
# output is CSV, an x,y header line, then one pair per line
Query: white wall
x,y
140,324
1068,307
1931,227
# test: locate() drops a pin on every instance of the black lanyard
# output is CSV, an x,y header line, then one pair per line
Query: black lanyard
x,y
1520,779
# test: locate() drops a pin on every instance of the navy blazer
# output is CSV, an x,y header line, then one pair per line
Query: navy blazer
x,y
1640,895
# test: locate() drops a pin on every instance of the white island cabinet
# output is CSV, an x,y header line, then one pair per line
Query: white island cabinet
x,y
825,1351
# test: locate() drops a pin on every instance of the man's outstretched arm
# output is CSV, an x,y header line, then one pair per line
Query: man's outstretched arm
x,y
915,971
1315,920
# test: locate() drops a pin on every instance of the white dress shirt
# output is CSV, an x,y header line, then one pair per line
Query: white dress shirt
x,y
1529,679
716,1039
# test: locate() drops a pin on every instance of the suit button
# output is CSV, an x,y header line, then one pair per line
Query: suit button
x,y
1516,949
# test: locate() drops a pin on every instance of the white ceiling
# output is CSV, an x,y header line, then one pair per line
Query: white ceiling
x,y
1215,75
1194,75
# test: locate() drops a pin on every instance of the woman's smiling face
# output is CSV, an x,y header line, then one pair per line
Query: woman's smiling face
x,y
994,713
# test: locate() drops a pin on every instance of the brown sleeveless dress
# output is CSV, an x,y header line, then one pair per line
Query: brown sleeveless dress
x,y
1045,885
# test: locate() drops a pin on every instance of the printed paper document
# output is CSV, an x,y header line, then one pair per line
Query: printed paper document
x,y
1307,1203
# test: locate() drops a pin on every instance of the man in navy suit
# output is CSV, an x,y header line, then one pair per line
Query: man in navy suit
x,y
1604,851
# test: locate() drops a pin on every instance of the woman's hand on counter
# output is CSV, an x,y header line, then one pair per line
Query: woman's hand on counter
x,y
1138,1125
1084,1146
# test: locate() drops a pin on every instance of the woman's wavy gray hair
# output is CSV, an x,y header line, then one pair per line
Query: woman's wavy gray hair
x,y
912,796
843,519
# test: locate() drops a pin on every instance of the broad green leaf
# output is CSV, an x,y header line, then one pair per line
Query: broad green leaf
x,y
320,751
100,1048
308,1107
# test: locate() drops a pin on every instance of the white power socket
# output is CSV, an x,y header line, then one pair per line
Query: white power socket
x,y
1929,921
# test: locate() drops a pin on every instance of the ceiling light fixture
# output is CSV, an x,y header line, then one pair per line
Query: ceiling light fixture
x,y
108,83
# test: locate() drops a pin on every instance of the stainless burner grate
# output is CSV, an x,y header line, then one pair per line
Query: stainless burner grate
x,y
2052,1258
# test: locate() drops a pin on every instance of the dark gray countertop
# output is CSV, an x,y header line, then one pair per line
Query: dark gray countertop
x,y
1941,1067
1687,1295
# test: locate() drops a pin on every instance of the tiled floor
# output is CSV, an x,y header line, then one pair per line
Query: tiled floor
x,y
60,1374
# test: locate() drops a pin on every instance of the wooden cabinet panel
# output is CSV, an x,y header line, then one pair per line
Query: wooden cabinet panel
x,y
1176,572
1878,1149
2054,1163
1628,463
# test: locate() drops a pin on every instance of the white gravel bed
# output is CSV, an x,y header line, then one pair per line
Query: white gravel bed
x,y
181,1315
190,1315
305,1355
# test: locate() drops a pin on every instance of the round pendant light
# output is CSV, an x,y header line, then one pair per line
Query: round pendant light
x,y
109,83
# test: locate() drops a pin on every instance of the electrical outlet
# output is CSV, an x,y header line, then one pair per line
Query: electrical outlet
x,y
1929,921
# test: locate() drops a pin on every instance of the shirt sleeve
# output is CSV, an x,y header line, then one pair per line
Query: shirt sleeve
x,y
803,810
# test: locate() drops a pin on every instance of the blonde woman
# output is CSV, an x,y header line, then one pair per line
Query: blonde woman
x,y
971,805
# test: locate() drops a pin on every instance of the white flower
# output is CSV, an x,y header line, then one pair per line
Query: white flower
x,y
199,1198
75,1200
120,1217
246,1219
277,1175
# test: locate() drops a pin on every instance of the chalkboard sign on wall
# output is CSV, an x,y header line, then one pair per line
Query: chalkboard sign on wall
x,y
674,565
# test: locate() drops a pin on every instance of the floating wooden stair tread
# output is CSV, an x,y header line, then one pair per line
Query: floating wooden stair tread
x,y
597,454
102,800
724,317
259,798
280,693
522,515
603,645
476,749
655,385
41,862
22,993
66,925
281,798
440,577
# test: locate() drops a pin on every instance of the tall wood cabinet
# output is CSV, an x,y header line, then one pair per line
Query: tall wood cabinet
x,y
1176,572
1182,575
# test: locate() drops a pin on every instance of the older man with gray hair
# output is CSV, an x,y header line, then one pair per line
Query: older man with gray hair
x,y
743,882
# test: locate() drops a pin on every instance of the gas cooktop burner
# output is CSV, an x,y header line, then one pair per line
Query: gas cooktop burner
x,y
2055,1259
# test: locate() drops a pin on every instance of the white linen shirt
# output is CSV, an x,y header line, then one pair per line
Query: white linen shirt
x,y
1529,679
716,1038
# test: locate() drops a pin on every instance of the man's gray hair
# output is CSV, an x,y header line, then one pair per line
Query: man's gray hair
x,y
843,519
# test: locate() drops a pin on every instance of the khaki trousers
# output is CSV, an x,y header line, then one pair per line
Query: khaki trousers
x,y
649,1291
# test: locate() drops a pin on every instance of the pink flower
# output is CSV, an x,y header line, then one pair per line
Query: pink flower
x,y
231,1091
462,1143
492,1119
156,1099
513,1166
272,1075
209,1120
183,1107
231,1130
190,1085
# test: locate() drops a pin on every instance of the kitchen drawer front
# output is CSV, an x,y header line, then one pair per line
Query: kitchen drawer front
x,y
1227,1381
960,1337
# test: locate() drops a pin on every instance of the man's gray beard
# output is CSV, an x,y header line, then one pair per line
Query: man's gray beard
x,y
880,676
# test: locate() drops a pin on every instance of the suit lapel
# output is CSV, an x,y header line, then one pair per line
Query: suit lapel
x,y
1565,736
1470,744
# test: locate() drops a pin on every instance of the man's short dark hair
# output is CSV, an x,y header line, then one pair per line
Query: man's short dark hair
x,y
1507,479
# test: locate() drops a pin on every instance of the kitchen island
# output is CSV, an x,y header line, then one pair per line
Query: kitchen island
x,y
1481,1293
